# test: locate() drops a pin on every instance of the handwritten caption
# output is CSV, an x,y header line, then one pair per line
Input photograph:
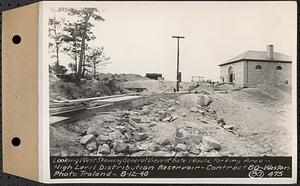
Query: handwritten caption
x,y
170,167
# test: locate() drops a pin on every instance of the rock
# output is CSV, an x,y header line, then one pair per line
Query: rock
x,y
196,138
180,133
230,127
140,153
121,147
92,130
63,153
116,135
221,122
204,121
173,117
140,136
145,120
145,111
201,112
205,100
189,99
122,129
159,153
103,149
63,99
91,146
171,109
193,99
87,139
101,139
194,150
109,119
134,148
213,153
182,153
160,112
154,148
117,93
194,109
136,119
168,118
210,144
152,124
180,147
128,135
166,141
183,115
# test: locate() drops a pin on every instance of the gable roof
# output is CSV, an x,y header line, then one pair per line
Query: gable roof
x,y
253,55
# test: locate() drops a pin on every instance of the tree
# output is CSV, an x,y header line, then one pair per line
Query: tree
x,y
72,42
73,67
58,69
95,56
84,33
56,38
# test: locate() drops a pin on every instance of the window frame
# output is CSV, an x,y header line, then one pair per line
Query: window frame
x,y
258,67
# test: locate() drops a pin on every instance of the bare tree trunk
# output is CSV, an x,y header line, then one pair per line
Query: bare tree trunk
x,y
56,43
83,65
82,51
94,70
75,69
57,56
75,57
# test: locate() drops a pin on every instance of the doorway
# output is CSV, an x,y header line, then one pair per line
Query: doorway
x,y
231,78
230,73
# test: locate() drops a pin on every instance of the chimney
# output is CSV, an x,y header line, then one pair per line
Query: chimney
x,y
270,52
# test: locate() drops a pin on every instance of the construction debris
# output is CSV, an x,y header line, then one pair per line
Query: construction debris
x,y
177,124
87,139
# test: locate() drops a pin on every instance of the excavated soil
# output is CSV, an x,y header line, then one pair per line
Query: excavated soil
x,y
238,122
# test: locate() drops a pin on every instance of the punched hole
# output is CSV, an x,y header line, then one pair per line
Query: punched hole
x,y
16,39
16,141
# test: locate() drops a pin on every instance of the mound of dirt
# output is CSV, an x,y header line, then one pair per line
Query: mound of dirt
x,y
60,89
150,85
155,85
202,88
280,92
103,85
120,77
256,114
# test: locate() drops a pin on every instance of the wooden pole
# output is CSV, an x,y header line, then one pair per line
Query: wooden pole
x,y
177,70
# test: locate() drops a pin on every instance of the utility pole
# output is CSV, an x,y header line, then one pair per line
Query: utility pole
x,y
178,74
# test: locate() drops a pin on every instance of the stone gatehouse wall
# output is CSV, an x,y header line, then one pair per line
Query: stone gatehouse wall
x,y
269,74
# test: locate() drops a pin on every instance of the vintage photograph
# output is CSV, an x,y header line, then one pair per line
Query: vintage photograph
x,y
182,79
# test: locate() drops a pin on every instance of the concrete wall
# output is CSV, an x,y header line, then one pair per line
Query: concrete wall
x,y
238,71
268,74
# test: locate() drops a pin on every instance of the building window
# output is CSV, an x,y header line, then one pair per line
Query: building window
x,y
258,67
278,68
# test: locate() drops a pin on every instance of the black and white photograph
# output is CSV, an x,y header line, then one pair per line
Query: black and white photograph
x,y
172,79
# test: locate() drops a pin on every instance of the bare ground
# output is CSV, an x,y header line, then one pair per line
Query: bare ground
x,y
259,120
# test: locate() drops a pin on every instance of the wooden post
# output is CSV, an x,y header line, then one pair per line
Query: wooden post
x,y
177,71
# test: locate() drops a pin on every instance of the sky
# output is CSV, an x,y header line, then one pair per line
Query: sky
x,y
138,35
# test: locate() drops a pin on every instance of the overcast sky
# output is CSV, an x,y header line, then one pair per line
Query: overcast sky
x,y
138,35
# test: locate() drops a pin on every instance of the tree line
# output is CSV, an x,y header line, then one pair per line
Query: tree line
x,y
73,38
